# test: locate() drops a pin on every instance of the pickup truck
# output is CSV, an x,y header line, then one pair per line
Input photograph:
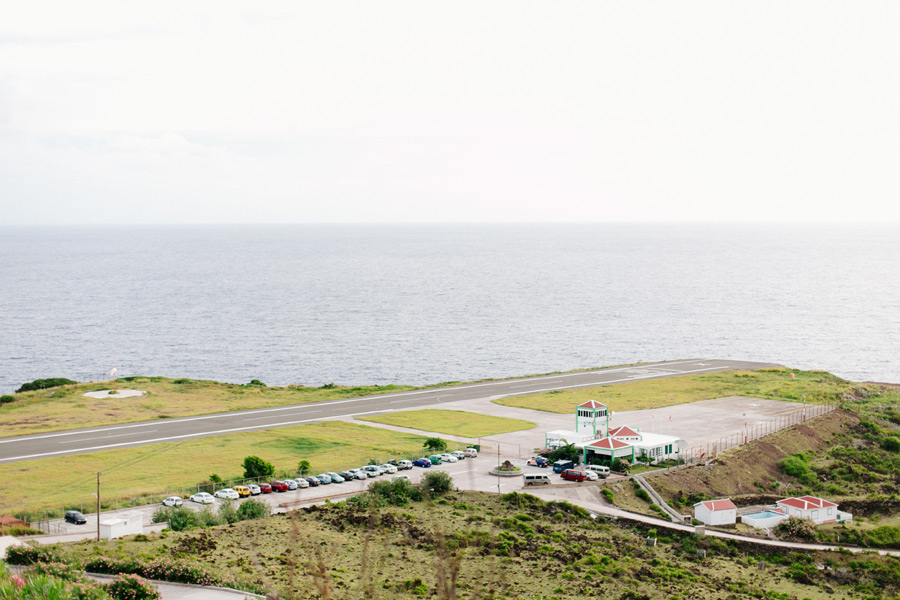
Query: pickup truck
x,y
538,461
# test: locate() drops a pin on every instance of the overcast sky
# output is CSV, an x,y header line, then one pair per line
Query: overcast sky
x,y
219,112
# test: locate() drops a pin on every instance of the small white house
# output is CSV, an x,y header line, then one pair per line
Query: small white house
x,y
716,512
121,525
816,509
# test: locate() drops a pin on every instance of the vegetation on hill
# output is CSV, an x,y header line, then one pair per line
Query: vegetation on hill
x,y
475,545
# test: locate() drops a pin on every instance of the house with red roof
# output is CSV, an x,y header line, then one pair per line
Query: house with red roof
x,y
716,512
816,509
607,449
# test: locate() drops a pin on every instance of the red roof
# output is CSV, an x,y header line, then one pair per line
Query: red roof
x,y
624,432
806,502
609,444
592,404
714,505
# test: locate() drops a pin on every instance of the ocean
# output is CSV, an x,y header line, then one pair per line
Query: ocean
x,y
421,304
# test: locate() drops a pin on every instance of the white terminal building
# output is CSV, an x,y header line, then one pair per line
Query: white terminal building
x,y
594,438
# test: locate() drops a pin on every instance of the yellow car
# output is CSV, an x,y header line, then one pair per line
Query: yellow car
x,y
242,490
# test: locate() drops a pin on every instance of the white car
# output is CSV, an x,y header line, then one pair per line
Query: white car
x,y
372,470
254,489
459,454
227,494
302,483
292,484
360,473
399,477
592,476
202,498
471,453
173,501
404,465
388,468
448,458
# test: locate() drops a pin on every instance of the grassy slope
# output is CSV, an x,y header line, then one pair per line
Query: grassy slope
x,y
66,408
452,422
151,472
775,384
515,547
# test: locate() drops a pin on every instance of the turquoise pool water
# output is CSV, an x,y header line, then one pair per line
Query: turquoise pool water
x,y
767,514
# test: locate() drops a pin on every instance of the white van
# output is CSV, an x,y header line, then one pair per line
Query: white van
x,y
537,479
471,452
600,470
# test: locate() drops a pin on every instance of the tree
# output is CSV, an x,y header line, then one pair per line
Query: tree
x,y
254,466
435,444
304,467
437,482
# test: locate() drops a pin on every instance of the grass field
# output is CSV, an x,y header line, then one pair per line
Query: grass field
x,y
452,422
66,408
150,472
775,384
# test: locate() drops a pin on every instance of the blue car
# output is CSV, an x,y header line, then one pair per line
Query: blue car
x,y
422,462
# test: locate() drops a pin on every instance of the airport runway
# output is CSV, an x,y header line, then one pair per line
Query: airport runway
x,y
93,439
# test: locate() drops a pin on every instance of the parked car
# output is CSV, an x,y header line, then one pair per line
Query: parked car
x,y
448,458
335,478
591,475
291,483
399,477
265,488
242,490
373,470
573,475
538,461
348,475
388,468
302,483
313,481
202,498
254,489
422,462
227,494
404,465
323,478
279,486
435,459
73,516
358,474
459,454
471,453
173,501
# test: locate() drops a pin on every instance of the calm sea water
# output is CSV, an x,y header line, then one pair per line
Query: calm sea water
x,y
424,304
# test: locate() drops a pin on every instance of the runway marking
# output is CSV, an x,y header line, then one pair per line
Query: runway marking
x,y
530,384
448,391
105,437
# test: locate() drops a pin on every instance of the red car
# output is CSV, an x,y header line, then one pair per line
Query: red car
x,y
573,475
279,486
265,488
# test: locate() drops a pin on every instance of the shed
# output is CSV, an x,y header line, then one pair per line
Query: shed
x,y
121,525
716,512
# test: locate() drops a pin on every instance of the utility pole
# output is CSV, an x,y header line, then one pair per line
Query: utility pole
x,y
98,506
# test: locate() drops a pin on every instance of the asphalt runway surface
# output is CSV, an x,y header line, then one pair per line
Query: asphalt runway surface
x,y
81,441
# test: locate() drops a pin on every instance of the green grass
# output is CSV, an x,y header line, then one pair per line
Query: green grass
x,y
775,384
452,422
149,473
66,407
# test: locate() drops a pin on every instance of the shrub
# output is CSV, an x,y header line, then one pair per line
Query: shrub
x,y
399,492
206,518
253,509
228,513
43,384
28,555
132,587
608,494
795,527
254,466
642,494
179,518
438,482
891,444
6,399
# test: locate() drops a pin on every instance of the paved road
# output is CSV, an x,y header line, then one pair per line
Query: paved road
x,y
82,441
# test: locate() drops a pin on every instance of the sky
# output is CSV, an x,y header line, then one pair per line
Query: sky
x,y
296,112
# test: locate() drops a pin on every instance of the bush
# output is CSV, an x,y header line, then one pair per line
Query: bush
x,y
228,513
28,555
891,444
179,518
206,518
132,587
254,466
795,527
399,492
6,399
43,384
253,509
608,494
438,482
642,494
161,569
